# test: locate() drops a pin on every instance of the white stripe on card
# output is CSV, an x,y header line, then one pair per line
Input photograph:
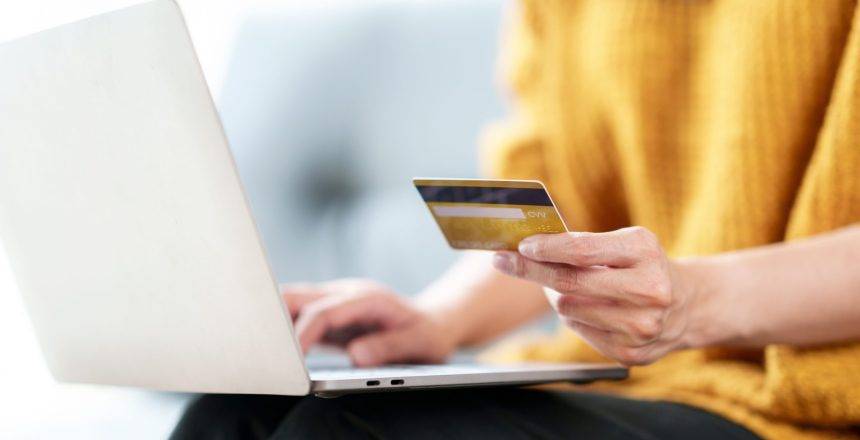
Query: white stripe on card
x,y
478,212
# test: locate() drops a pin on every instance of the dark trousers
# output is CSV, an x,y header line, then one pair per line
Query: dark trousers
x,y
450,414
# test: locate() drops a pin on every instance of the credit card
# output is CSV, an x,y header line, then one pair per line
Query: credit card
x,y
489,214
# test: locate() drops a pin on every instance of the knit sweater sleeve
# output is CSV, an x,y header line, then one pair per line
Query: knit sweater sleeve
x,y
829,198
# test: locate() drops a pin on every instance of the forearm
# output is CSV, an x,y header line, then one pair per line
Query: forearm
x,y
803,293
478,303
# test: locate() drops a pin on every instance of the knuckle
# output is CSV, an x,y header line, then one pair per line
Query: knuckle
x,y
654,294
646,329
659,294
539,249
565,280
518,267
662,295
641,232
647,239
584,247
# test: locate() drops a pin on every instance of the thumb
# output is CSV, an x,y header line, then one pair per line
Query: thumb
x,y
385,347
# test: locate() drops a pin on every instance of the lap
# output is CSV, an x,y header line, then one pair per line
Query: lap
x,y
476,413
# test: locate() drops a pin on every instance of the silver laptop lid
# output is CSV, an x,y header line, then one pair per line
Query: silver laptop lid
x,y
123,216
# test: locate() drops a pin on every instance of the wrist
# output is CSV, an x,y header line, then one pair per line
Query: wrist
x,y
446,318
711,309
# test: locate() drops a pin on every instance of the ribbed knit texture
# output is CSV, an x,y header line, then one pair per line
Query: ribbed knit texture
x,y
719,125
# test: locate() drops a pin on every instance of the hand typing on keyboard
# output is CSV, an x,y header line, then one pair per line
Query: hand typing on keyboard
x,y
371,322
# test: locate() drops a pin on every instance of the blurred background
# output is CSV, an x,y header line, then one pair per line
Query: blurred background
x,y
331,107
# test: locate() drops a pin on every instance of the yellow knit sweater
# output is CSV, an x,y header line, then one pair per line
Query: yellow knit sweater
x,y
719,125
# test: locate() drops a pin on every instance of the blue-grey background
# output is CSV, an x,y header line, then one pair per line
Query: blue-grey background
x,y
330,115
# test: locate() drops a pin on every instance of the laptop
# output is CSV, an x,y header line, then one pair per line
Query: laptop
x,y
129,234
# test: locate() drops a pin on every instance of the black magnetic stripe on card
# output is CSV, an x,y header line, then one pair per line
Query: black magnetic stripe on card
x,y
488,195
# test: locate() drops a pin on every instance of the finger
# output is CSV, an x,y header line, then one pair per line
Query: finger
x,y
393,346
334,312
614,285
298,295
620,248
595,336
593,282
599,339
341,337
633,328
554,296
607,344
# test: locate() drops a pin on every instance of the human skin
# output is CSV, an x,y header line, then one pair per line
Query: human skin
x,y
618,290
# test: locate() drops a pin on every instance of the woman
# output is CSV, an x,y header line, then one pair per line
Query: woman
x,y
711,149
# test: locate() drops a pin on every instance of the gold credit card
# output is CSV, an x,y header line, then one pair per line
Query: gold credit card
x,y
489,214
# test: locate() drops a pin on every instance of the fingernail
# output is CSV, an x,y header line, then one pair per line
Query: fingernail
x,y
503,261
527,247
